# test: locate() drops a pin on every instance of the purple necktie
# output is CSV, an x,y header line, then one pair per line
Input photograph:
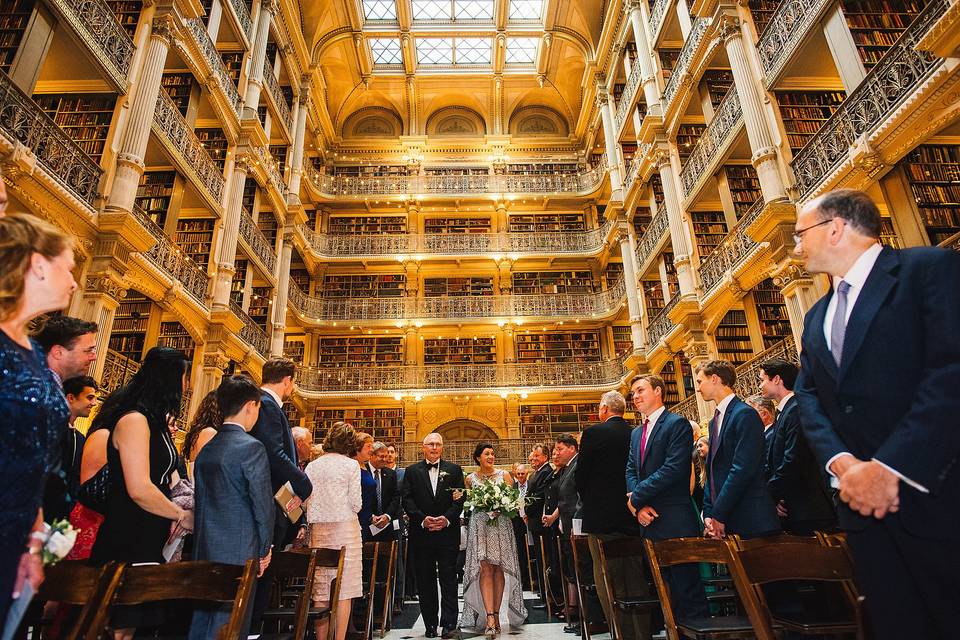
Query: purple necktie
x,y
838,327
643,440
714,430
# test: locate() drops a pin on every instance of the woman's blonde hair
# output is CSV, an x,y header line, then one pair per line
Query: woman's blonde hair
x,y
362,439
342,439
21,236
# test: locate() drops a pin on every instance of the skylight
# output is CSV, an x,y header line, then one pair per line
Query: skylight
x,y
386,51
450,51
472,51
473,10
434,51
379,10
526,9
522,50
452,10
431,9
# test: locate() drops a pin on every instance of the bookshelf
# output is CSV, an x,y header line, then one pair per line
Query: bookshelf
x,y
553,419
550,222
239,282
744,187
84,117
456,171
249,199
671,391
215,142
668,60
876,24
294,348
130,325
259,310
733,337
653,296
195,238
622,339
293,414
371,171
14,15
772,312
127,13
154,193
673,283
542,168
172,334
439,287
762,11
301,277
686,376
804,112
360,350
279,154
656,186
459,351
233,63
456,225
370,225
641,220
546,282
267,223
385,425
717,83
687,137
709,228
178,86
933,172
613,273
558,346
364,286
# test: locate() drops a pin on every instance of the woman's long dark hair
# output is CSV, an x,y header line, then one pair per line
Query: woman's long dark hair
x,y
156,390
208,415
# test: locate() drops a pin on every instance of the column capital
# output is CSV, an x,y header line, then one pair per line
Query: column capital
x,y
105,284
727,27
216,361
163,28
660,157
629,6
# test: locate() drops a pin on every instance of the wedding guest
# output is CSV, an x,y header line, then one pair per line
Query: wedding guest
x,y
234,503
537,488
568,505
36,277
81,395
70,345
521,473
142,460
767,411
332,515
386,509
368,486
701,449
303,441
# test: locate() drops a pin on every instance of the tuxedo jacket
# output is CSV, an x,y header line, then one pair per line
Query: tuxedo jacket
x,y
736,492
896,395
662,481
419,501
273,430
537,486
769,435
568,500
794,474
604,449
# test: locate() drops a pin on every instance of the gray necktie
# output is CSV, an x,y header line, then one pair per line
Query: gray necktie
x,y
839,327
379,494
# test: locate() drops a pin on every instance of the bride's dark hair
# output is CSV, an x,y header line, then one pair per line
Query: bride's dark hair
x,y
480,448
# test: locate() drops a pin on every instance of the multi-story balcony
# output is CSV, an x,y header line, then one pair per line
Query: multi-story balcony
x,y
66,168
657,15
735,251
650,243
430,379
691,52
251,333
495,185
117,371
627,99
257,243
460,245
173,263
94,23
661,325
713,144
447,309
241,14
272,85
222,88
786,31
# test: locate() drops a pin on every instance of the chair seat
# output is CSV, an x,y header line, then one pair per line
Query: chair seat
x,y
635,604
314,612
721,596
816,623
706,627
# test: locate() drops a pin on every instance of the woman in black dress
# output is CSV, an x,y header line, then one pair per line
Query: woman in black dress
x,y
142,460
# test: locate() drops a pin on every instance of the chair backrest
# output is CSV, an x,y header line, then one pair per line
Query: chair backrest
x,y
580,547
386,583
626,547
77,583
667,553
300,564
371,555
794,561
780,538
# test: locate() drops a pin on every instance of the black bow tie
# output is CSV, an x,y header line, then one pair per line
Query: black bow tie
x,y
435,465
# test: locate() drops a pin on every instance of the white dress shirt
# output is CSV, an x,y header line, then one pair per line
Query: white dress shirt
x,y
722,408
273,394
651,422
783,402
434,473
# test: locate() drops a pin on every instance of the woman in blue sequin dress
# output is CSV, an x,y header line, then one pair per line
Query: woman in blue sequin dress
x,y
36,265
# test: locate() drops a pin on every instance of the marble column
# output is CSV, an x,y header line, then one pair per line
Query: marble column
x,y
610,139
296,156
799,295
101,298
651,93
227,253
281,295
251,99
630,283
680,237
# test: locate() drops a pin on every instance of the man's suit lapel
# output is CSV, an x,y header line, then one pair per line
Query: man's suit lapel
x,y
818,342
875,290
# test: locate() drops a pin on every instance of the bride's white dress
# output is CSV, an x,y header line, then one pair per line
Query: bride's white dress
x,y
495,544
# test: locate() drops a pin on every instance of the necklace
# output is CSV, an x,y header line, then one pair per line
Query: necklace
x,y
487,476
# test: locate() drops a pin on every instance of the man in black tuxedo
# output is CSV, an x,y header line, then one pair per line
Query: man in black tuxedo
x,y
796,480
433,498
879,396
602,484
568,508
736,499
273,430
537,487
658,471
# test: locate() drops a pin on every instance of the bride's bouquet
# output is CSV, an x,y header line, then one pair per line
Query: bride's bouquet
x,y
495,499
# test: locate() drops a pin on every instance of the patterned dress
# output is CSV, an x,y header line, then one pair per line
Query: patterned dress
x,y
494,544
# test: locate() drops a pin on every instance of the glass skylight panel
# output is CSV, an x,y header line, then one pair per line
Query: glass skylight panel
x,y
434,50
386,51
473,51
380,9
473,9
522,50
526,9
431,9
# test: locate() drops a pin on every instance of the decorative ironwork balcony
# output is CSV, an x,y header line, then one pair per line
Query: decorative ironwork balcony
x,y
456,244
657,14
251,333
894,78
183,143
731,252
170,259
748,373
725,123
276,95
688,408
366,380
661,324
586,305
243,15
652,236
508,451
215,62
21,120
117,371
494,185
95,23
953,242
626,97
682,67
257,242
788,27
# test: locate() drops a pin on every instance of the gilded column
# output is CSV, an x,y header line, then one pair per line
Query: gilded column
x,y
679,230
227,253
604,104
630,283
281,294
799,294
101,297
296,156
651,93
259,56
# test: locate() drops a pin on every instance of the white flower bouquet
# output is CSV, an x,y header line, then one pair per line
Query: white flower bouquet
x,y
60,538
494,499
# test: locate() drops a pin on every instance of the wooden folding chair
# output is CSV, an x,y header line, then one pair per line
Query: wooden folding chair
x,y
668,553
371,555
586,588
386,585
328,559
801,560
73,583
545,577
294,573
628,604
196,580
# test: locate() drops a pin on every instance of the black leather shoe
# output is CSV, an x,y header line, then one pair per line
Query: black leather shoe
x,y
571,628
448,632
431,632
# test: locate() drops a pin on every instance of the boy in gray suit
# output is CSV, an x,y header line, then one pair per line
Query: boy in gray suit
x,y
233,500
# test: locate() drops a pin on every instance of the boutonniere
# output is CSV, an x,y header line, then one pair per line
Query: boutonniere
x,y
443,474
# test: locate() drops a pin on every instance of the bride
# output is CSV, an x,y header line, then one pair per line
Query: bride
x,y
491,560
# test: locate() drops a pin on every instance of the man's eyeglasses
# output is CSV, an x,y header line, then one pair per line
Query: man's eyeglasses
x,y
798,234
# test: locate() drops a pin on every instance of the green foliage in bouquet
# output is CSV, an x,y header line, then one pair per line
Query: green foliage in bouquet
x,y
495,499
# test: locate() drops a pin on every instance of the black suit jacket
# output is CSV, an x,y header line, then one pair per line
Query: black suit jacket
x,y
568,500
795,476
662,481
735,473
896,395
604,449
389,498
419,502
769,435
537,486
273,430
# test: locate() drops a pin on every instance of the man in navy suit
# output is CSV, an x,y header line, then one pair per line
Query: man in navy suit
x,y
879,396
659,469
736,499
